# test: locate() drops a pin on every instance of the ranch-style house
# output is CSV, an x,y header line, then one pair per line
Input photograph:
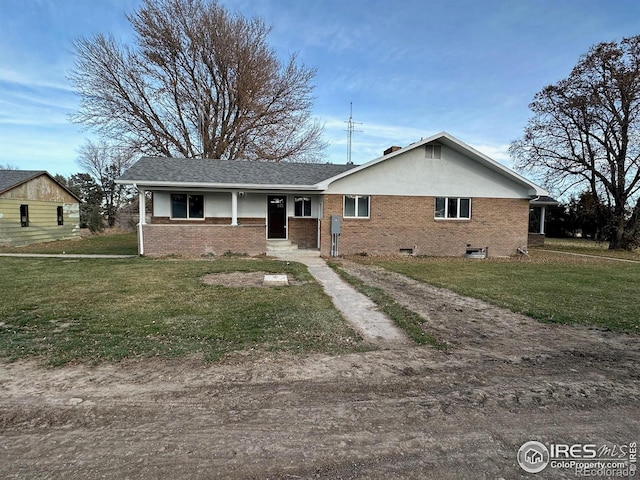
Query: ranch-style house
x,y
437,196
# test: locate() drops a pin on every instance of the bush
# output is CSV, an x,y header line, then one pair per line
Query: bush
x,y
95,221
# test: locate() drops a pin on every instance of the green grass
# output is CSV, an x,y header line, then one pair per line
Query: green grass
x,y
547,286
105,244
61,311
588,247
405,318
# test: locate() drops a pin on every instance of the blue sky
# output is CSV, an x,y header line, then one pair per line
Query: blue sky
x,y
412,68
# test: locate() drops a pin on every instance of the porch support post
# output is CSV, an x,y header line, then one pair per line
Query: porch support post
x,y
142,209
234,208
543,211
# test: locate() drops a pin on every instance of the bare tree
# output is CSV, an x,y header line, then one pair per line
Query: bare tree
x,y
198,82
105,163
585,132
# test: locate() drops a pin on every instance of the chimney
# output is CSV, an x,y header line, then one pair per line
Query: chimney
x,y
391,150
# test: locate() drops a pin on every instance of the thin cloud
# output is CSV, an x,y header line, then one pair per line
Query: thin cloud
x,y
28,81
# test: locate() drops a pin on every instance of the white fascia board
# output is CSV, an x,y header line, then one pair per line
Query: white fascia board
x,y
230,186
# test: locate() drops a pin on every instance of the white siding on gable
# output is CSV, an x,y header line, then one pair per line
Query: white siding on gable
x,y
411,174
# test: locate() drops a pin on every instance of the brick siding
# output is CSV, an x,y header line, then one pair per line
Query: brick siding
x,y
202,239
404,222
303,232
395,223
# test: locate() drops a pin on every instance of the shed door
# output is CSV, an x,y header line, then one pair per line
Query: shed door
x,y
277,216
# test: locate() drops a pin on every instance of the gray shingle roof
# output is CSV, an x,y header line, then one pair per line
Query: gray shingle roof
x,y
13,178
231,172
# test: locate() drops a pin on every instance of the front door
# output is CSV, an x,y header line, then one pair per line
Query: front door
x,y
277,216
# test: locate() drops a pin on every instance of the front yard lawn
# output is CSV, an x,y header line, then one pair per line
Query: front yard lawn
x,y
108,243
548,286
63,310
587,247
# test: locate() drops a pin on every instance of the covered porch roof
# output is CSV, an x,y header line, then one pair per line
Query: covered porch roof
x,y
159,172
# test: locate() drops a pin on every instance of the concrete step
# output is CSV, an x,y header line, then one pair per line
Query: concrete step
x,y
281,246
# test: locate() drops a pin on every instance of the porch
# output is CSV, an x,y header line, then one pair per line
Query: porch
x,y
537,220
197,222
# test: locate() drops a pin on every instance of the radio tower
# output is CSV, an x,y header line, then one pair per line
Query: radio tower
x,y
350,128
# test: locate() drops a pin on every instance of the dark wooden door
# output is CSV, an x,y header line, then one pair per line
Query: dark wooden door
x,y
277,216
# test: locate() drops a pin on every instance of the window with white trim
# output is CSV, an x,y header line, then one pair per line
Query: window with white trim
x,y
356,206
187,206
453,208
302,206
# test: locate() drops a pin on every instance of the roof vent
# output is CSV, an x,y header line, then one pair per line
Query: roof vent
x,y
391,150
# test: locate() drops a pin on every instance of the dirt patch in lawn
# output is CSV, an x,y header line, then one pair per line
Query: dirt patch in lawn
x,y
242,279
409,413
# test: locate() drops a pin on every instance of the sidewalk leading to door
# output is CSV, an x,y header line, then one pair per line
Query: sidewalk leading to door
x,y
357,309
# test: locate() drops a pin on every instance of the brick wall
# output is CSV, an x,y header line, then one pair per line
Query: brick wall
x,y
204,239
403,222
303,232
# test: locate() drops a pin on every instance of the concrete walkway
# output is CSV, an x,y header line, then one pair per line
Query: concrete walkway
x,y
357,309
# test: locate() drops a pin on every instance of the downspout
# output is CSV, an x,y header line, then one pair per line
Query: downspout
x,y
319,224
234,208
141,218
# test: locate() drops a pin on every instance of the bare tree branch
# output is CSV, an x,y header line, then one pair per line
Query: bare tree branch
x,y
105,163
198,82
585,131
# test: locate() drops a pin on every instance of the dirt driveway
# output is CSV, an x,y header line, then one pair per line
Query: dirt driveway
x,y
404,413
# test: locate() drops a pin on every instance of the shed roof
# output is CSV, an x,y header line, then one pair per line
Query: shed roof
x,y
211,172
12,178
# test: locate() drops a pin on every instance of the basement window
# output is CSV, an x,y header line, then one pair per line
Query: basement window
x,y
60,215
302,206
24,215
184,206
453,208
356,206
